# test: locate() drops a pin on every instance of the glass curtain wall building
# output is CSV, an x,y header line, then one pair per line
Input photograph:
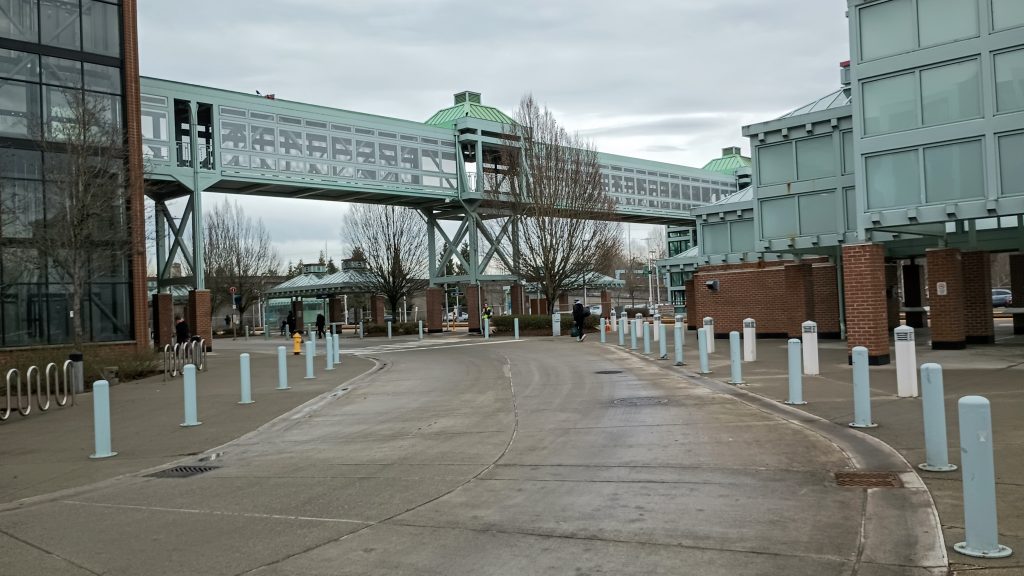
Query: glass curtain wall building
x,y
49,51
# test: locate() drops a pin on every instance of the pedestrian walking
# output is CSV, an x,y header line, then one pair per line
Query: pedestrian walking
x,y
320,323
181,330
291,322
579,315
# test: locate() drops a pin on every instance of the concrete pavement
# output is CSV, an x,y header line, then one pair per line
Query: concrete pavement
x,y
460,456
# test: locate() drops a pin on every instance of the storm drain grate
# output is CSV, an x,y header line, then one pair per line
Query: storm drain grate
x,y
181,471
868,479
608,372
641,401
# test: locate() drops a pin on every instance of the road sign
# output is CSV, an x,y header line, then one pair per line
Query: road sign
x,y
232,290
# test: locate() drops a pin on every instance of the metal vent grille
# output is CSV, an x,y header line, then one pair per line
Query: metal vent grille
x,y
181,471
641,401
868,479
904,336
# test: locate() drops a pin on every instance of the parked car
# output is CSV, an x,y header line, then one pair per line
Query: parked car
x,y
595,310
1001,298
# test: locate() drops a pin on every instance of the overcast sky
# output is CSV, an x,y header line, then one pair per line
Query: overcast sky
x,y
668,80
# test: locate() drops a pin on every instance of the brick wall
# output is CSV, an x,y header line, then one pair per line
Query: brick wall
x,y
516,294
692,319
163,319
435,309
977,274
826,300
473,307
797,300
946,311
747,292
199,316
606,305
22,358
336,310
864,289
136,184
1017,287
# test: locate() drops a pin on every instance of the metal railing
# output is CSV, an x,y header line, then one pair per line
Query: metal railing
x,y
177,356
58,387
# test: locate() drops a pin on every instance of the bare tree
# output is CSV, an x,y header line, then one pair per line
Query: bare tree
x,y
238,253
86,234
550,180
393,241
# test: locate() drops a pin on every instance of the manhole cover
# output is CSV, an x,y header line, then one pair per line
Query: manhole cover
x,y
868,479
642,401
181,471
608,372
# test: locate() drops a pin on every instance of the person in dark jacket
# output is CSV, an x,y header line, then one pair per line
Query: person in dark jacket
x,y
320,323
181,331
579,314
291,322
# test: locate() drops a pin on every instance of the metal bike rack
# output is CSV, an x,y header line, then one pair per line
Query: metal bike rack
x,y
59,381
24,408
32,375
191,352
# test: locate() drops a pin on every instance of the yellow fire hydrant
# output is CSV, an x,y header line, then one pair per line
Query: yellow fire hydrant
x,y
297,343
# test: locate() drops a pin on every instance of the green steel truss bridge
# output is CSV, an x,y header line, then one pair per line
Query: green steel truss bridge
x,y
197,139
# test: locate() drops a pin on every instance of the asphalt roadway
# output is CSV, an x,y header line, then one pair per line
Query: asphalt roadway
x,y
461,456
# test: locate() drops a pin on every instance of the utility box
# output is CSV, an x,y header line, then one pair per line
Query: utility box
x,y
906,363
809,332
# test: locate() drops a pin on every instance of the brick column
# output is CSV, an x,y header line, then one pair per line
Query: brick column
x,y
517,299
799,304
825,290
606,305
946,298
378,309
563,304
864,288
435,310
1017,287
199,316
473,307
136,201
693,320
977,273
892,296
913,295
163,319
337,310
538,307
297,311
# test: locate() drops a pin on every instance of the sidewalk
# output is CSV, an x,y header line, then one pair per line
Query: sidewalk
x,y
48,452
994,371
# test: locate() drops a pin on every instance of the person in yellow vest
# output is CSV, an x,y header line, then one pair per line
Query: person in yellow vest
x,y
487,314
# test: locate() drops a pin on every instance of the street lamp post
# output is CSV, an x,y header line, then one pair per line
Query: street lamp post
x,y
650,281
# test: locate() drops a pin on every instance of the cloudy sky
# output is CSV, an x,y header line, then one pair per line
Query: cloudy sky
x,y
668,80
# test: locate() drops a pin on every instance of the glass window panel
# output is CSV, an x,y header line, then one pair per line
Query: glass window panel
x,y
410,158
19,109
23,310
954,172
629,184
716,238
1009,71
434,181
366,174
890,104
102,78
264,139
150,100
741,236
18,65
60,24
818,213
225,111
1007,14
341,149
101,29
663,189
106,106
234,160
316,145
62,72
389,155
109,312
25,164
431,161
344,172
951,93
22,202
289,120
409,178
319,169
316,124
389,176
262,163
675,190
155,151
775,164
19,20
641,186
887,28
779,218
366,152
850,196
893,179
944,21
364,131
233,135
1011,168
290,142
293,165
848,152
448,162
815,158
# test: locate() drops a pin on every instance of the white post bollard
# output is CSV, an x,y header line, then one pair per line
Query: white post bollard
x,y
329,360
749,340
810,348
657,327
906,363
709,328
312,338
556,324
337,348
614,321
389,329
101,419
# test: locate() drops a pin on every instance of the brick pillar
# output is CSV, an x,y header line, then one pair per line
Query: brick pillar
x,y
946,298
378,309
163,319
539,307
435,310
892,296
977,274
825,289
516,293
337,310
297,311
136,186
199,316
563,303
864,288
1017,287
473,307
692,318
799,305
606,305
913,295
